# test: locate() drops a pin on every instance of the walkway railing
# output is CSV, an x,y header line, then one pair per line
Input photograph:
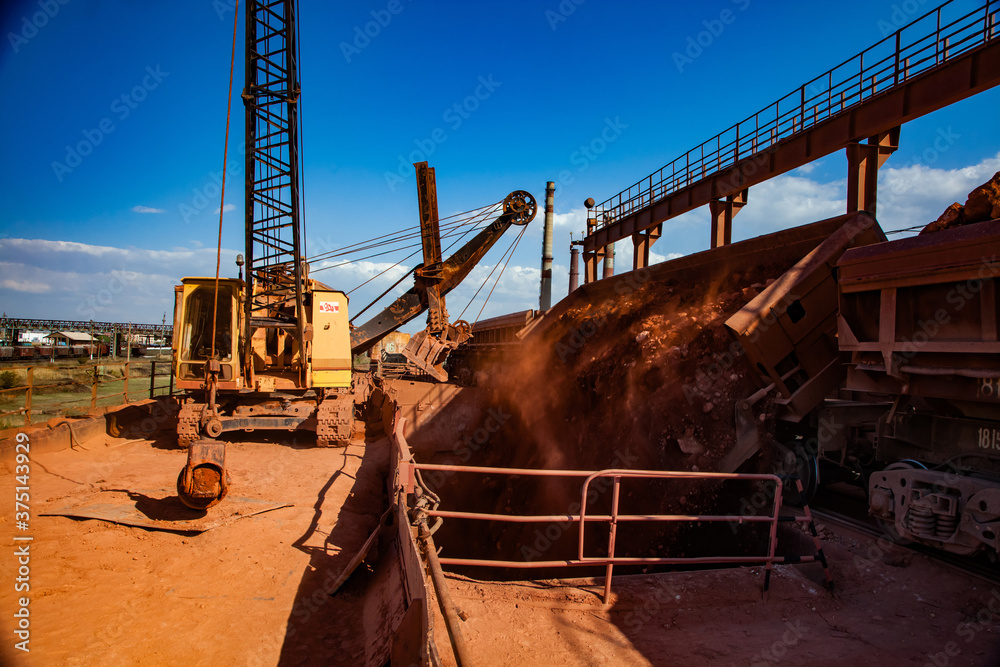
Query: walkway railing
x,y
406,479
35,395
924,44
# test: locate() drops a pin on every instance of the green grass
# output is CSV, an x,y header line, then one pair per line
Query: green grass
x,y
63,388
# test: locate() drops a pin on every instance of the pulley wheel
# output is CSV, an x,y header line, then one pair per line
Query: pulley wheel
x,y
522,205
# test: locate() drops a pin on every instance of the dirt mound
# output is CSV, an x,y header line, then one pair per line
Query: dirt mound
x,y
651,376
647,380
983,204
634,372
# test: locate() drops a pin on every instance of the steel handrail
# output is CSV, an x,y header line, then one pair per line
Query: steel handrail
x,y
405,482
914,57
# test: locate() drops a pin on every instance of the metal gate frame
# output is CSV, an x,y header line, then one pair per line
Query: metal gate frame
x,y
404,480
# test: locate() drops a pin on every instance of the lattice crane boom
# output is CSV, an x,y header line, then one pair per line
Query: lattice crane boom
x,y
273,228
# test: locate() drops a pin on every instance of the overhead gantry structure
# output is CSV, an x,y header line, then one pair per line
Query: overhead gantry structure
x,y
941,58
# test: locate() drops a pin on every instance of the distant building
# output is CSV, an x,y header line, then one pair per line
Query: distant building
x,y
70,338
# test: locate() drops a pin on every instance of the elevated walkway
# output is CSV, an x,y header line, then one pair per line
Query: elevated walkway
x,y
940,58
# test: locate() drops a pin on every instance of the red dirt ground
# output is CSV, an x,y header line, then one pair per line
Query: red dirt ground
x,y
890,607
249,593
252,592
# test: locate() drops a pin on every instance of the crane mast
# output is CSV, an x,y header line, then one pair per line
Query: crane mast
x,y
275,351
273,229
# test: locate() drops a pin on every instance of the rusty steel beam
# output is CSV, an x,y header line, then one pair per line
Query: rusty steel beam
x,y
592,256
723,211
957,79
863,162
642,242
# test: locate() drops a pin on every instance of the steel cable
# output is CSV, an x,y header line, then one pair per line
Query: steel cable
x,y
486,211
507,255
407,233
222,202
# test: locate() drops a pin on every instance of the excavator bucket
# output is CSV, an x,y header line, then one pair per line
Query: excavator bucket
x,y
428,352
204,481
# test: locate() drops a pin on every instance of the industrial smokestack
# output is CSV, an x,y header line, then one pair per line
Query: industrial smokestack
x,y
545,300
609,260
574,267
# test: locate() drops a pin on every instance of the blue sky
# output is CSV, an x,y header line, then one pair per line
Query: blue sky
x,y
142,88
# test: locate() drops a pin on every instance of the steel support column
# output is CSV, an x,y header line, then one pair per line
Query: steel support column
x,y
641,243
590,261
591,257
723,211
863,162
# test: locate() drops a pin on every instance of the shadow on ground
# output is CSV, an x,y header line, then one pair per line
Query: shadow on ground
x,y
348,625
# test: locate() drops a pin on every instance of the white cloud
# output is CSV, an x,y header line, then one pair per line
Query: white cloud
x,y
656,258
917,194
787,201
83,281
146,209
25,286
227,207
908,196
518,289
347,277
62,247
575,218
95,282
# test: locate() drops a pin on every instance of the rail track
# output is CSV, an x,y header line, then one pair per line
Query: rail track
x,y
979,567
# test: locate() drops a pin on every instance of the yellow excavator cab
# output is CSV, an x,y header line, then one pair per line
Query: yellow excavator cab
x,y
194,311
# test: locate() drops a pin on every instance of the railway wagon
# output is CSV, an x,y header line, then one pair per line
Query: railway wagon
x,y
490,338
886,368
27,352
